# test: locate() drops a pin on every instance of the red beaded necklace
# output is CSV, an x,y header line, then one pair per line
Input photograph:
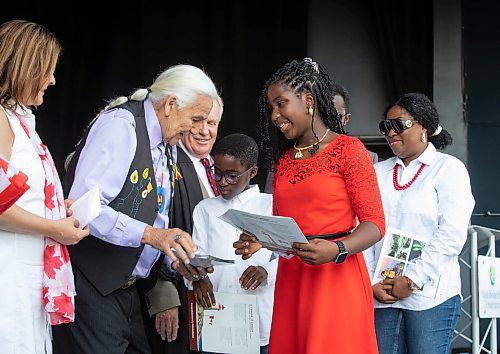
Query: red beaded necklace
x,y
399,187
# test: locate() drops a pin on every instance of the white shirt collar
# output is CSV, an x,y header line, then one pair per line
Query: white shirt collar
x,y
246,195
426,157
193,158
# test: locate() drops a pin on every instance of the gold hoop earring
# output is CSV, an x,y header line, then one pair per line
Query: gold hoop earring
x,y
310,110
423,137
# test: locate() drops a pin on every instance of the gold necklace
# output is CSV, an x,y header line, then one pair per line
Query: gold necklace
x,y
299,154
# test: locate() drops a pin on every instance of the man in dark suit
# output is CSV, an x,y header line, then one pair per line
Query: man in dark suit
x,y
165,312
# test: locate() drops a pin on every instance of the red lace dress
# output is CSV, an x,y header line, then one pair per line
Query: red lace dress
x,y
326,308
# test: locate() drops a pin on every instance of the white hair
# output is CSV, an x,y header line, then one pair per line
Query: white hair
x,y
185,82
221,106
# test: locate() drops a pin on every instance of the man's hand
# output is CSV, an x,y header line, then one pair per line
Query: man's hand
x,y
203,293
167,323
252,277
165,239
246,246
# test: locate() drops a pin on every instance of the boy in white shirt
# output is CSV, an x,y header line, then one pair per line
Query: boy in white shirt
x,y
235,160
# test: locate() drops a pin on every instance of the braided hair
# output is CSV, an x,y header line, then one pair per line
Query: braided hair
x,y
301,77
421,108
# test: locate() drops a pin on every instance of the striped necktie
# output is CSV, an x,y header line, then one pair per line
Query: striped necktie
x,y
211,180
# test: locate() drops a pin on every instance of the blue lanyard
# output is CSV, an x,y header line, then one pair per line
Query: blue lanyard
x,y
172,168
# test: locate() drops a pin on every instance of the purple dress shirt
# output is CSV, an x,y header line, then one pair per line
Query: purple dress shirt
x,y
105,161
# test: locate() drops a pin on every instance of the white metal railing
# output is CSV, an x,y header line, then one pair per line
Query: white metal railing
x,y
479,237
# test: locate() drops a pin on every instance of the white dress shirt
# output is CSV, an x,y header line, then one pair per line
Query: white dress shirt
x,y
437,207
200,169
216,237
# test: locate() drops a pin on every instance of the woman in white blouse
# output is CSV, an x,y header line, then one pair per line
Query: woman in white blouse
x,y
425,193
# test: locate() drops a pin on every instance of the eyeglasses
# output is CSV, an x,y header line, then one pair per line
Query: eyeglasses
x,y
396,125
231,177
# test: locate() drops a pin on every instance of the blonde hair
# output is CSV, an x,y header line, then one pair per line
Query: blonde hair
x,y
28,57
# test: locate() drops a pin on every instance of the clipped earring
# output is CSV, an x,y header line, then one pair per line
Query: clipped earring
x,y
310,110
423,137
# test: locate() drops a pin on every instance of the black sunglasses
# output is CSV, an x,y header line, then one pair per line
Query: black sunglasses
x,y
396,125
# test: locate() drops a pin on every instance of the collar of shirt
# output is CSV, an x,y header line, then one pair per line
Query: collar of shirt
x,y
152,124
244,196
426,158
194,159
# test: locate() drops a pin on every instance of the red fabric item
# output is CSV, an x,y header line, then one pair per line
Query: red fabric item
x,y
12,185
326,308
395,182
206,164
58,286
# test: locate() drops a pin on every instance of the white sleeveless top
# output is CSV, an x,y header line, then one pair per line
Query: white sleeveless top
x,y
23,323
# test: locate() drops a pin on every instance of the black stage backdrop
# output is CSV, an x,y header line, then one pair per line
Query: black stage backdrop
x,y
111,51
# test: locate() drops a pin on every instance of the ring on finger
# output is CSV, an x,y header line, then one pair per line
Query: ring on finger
x,y
174,264
196,277
177,237
202,277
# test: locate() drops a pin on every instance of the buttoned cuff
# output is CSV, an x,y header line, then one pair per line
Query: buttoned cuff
x,y
133,230
162,297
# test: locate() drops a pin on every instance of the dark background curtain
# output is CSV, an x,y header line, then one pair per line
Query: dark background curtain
x,y
110,52
481,40
404,32
405,36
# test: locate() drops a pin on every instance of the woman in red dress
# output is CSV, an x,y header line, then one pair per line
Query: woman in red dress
x,y
325,180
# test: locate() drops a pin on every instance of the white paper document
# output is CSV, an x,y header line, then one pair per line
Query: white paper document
x,y
231,325
276,233
87,207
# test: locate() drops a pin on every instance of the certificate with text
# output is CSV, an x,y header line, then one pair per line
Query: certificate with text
x,y
229,326
276,233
